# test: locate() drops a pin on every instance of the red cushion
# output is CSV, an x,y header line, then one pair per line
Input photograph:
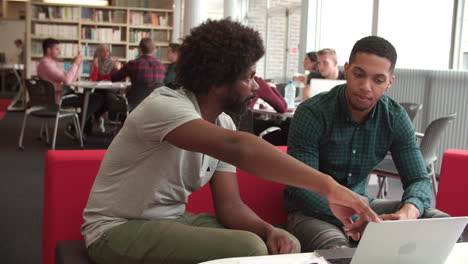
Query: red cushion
x,y
264,197
69,175
452,196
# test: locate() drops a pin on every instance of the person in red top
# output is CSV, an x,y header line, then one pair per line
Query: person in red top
x,y
103,66
269,94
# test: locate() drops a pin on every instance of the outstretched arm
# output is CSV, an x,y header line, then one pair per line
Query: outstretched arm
x,y
241,149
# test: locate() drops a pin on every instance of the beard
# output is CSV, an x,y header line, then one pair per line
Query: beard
x,y
236,106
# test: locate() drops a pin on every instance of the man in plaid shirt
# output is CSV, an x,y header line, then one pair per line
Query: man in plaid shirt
x,y
146,73
345,133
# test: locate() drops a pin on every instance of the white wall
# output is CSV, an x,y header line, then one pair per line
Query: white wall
x,y
10,30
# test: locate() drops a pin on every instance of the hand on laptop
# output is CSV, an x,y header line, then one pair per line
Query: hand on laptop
x,y
344,204
408,211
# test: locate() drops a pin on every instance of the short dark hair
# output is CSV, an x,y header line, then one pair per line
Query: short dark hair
x,y
18,42
218,52
146,46
377,46
175,47
49,43
312,56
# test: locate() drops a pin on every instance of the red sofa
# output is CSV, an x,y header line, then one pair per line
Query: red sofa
x,y
452,196
69,175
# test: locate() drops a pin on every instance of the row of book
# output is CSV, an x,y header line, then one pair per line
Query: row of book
x,y
101,34
136,35
100,15
55,12
54,30
148,18
67,49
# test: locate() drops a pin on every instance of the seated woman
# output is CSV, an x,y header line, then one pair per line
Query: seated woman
x,y
102,67
310,65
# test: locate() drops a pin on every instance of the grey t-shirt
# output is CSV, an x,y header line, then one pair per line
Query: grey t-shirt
x,y
142,176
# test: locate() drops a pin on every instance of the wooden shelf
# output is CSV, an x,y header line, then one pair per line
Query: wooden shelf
x,y
38,56
126,28
153,27
91,58
103,42
55,21
57,38
107,24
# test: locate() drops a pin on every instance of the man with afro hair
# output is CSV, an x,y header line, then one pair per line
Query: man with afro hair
x,y
176,141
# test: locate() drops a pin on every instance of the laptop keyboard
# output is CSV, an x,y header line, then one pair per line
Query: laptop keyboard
x,y
340,261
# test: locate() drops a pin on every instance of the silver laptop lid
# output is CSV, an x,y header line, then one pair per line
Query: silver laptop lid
x,y
425,241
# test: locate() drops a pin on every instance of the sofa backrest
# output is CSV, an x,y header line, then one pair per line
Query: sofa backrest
x,y
69,176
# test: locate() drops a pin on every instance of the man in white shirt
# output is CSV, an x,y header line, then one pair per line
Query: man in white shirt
x,y
176,141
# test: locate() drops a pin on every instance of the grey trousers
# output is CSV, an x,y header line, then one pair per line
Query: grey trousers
x,y
316,234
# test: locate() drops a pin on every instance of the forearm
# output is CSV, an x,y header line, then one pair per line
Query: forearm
x,y
241,217
71,75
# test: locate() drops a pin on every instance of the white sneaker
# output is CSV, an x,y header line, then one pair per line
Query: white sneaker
x,y
102,128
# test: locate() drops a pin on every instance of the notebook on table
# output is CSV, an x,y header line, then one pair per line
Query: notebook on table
x,y
424,241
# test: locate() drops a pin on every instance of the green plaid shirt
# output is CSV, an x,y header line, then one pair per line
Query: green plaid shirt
x,y
323,135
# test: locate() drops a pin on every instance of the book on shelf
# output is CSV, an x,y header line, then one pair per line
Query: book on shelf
x,y
86,13
101,34
55,30
55,12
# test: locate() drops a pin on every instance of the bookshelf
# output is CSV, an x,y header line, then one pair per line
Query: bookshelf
x,y
83,28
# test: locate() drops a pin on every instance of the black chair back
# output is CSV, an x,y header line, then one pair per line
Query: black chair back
x,y
138,93
41,93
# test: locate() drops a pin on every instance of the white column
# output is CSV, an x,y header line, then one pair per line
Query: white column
x,y
194,14
230,9
176,21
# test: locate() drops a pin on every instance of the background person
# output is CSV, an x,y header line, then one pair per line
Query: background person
x,y
146,73
102,67
172,56
327,64
49,70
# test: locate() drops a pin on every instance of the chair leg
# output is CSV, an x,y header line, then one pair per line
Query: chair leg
x,y
47,131
434,179
20,144
382,185
54,139
41,133
79,135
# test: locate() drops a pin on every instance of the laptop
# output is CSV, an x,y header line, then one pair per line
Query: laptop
x,y
322,85
424,241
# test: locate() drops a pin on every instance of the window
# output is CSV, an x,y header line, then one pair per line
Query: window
x,y
420,30
342,23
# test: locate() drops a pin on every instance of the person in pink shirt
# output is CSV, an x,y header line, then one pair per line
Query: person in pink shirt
x,y
49,70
